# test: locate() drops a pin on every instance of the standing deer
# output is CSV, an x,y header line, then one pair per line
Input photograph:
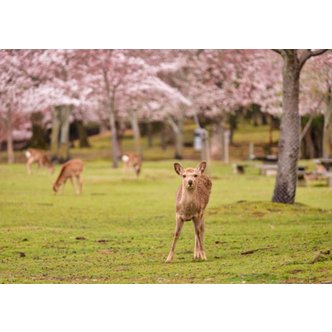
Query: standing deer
x,y
132,159
70,170
39,156
192,198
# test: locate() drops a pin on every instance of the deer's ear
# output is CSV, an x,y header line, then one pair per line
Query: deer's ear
x,y
201,167
178,168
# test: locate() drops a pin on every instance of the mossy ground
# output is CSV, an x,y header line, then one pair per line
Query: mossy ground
x,y
120,229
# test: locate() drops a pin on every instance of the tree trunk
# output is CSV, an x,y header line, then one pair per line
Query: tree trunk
x,y
82,134
114,136
309,149
64,134
289,142
327,132
270,133
10,145
149,134
205,153
38,139
55,132
136,132
232,119
178,133
178,144
163,136
217,139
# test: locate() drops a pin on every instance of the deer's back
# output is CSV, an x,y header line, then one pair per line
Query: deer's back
x,y
204,186
72,167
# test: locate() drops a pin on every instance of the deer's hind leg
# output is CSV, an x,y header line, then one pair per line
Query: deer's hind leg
x,y
178,227
79,183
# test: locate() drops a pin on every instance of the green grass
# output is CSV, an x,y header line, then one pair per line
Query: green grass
x,y
120,229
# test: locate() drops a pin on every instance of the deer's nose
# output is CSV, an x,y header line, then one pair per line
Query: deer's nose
x,y
190,182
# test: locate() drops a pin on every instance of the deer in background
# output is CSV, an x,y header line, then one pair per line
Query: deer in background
x,y
191,200
70,170
132,159
39,156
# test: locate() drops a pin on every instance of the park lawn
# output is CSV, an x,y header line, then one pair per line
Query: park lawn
x,y
120,229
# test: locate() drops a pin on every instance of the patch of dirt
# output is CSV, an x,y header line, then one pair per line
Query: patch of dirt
x,y
106,251
103,241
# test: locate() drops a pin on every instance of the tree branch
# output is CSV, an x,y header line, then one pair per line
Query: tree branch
x,y
277,51
307,54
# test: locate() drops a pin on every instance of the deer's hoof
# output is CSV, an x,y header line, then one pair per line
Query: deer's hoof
x,y
169,259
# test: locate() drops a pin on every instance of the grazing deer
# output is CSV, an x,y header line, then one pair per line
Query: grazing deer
x,y
191,199
70,170
39,156
132,159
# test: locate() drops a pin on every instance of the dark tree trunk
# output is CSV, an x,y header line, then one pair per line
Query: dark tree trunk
x,y
149,134
177,127
232,119
10,145
120,131
38,139
217,139
163,136
289,142
64,134
115,146
308,146
327,133
136,131
55,132
270,133
82,134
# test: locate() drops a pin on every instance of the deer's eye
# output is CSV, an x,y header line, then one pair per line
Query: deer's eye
x,y
195,175
184,176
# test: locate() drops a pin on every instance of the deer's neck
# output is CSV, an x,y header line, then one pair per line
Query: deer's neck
x,y
187,196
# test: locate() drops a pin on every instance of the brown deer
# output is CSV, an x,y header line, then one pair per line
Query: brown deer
x,y
70,170
131,159
191,200
38,156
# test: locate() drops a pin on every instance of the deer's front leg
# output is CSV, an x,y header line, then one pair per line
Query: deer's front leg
x,y
199,237
80,183
29,163
178,227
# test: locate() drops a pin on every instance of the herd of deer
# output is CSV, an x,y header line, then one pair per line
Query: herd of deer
x,y
192,196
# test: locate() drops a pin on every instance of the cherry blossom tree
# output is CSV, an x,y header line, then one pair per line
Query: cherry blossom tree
x,y
316,96
289,142
13,83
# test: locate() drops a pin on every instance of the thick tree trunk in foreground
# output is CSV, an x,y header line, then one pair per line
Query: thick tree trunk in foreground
x,y
289,142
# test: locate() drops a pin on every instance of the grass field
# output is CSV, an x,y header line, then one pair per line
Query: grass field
x,y
120,229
